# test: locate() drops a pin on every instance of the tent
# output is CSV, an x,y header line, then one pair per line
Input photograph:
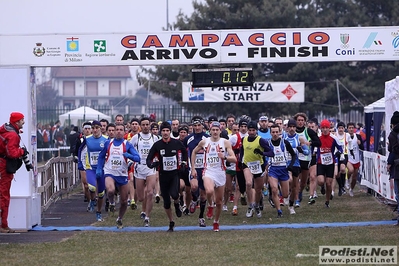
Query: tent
x,y
80,114
374,114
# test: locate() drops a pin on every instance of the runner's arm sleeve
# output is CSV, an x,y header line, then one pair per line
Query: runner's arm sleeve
x,y
132,153
314,138
151,155
291,151
101,156
267,151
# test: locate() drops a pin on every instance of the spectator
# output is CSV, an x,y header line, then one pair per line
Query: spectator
x,y
40,142
73,137
393,158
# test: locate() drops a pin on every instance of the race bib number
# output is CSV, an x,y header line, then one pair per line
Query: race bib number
x,y
116,162
199,161
143,155
326,158
254,167
169,163
278,160
213,161
94,157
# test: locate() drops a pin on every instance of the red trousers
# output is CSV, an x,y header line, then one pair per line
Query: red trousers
x,y
5,186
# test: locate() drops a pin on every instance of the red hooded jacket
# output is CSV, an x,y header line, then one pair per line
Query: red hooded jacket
x,y
9,142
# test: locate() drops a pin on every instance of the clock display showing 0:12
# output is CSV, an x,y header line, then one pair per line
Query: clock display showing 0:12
x,y
222,77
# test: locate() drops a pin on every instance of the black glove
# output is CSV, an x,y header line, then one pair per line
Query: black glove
x,y
239,164
290,168
29,167
154,164
258,151
299,149
228,164
352,154
25,151
75,159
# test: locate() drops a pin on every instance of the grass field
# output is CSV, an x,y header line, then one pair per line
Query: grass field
x,y
228,247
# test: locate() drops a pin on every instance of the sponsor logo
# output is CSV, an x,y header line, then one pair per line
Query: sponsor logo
x,y
196,94
100,46
371,40
289,92
344,38
395,41
72,44
39,51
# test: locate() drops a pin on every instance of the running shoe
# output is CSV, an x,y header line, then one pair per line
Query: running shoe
x,y
95,202
185,210
112,208
142,215
243,199
281,201
234,212
311,200
209,214
297,204
129,202
286,201
300,196
225,209
201,222
157,198
279,213
271,203
332,195
119,224
193,206
250,212
99,217
177,210
323,190
146,222
292,210
327,204
347,184
351,192
133,205
258,212
91,206
171,226
231,199
261,205
215,227
339,192
315,194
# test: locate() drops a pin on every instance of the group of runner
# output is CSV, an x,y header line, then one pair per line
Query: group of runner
x,y
208,162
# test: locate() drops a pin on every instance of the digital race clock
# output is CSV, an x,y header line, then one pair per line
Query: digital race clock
x,y
222,77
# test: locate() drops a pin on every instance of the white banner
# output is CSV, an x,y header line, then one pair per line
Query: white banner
x,y
272,92
203,47
374,174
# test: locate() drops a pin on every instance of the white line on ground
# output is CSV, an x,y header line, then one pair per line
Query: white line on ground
x,y
299,255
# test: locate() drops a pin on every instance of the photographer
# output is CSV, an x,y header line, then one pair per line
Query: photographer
x,y
11,157
393,158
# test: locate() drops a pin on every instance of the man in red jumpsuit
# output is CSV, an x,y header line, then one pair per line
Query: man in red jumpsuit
x,y
10,149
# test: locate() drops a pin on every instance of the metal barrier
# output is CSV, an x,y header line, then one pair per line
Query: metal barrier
x,y
57,177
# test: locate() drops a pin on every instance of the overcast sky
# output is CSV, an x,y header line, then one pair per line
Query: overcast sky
x,y
88,16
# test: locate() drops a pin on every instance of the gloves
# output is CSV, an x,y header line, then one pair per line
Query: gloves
x,y
129,164
29,167
99,173
342,158
258,151
299,149
154,165
25,151
290,168
75,159
352,154
228,164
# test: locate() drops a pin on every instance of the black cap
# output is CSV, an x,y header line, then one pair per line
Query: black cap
x,y
292,122
212,118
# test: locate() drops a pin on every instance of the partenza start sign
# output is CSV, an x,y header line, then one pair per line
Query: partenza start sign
x,y
272,92
203,47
